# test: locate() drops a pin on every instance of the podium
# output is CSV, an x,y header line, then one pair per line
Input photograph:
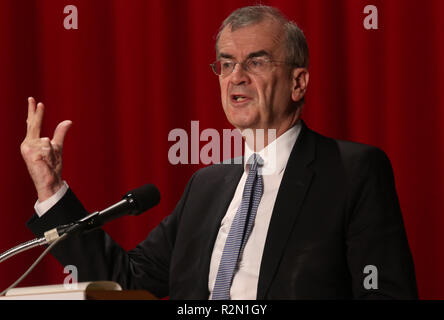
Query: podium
x,y
98,290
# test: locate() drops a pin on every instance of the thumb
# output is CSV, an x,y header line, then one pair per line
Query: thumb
x,y
60,132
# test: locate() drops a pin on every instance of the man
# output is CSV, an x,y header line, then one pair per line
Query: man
x,y
310,229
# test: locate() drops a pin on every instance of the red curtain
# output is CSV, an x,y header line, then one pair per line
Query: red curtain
x,y
135,70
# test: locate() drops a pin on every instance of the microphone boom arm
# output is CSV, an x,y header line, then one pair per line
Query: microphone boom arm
x,y
22,247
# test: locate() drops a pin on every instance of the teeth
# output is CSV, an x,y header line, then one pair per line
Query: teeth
x,y
239,98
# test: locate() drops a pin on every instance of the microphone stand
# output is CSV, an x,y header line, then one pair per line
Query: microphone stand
x,y
48,238
88,223
51,237
22,247
148,195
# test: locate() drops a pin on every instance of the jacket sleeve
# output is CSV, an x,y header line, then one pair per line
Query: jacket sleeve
x,y
98,257
378,253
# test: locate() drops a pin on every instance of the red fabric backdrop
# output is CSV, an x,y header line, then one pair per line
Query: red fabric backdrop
x,y
135,70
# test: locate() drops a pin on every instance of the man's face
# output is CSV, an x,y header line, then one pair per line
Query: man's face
x,y
265,98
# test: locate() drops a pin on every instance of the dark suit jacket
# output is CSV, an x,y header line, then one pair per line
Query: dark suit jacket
x,y
336,212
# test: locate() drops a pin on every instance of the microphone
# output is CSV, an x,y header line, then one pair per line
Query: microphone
x,y
134,203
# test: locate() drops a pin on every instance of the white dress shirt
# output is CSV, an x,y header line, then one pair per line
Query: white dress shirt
x,y
245,280
42,207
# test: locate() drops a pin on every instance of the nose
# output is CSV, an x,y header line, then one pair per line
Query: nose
x,y
239,76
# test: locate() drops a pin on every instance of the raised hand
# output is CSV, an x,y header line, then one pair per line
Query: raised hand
x,y
43,156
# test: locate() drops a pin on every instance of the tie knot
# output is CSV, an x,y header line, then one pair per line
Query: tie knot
x,y
254,161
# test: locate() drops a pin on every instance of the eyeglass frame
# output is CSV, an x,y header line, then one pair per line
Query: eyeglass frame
x,y
245,66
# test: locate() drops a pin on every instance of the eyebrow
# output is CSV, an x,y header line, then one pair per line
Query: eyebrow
x,y
260,53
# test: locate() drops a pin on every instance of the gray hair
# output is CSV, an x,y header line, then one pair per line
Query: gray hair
x,y
296,44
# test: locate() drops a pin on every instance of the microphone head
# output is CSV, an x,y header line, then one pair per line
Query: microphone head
x,y
143,198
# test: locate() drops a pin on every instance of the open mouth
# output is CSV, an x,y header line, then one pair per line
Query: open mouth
x,y
239,98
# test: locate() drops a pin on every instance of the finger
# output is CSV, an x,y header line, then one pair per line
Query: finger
x,y
60,132
44,143
48,155
31,111
31,107
41,152
42,149
35,120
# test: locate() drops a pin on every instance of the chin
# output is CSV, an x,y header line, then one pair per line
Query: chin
x,y
242,124
242,120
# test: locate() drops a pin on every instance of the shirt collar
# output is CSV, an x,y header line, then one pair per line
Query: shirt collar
x,y
275,155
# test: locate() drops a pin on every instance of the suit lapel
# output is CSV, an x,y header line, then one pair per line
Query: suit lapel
x,y
294,185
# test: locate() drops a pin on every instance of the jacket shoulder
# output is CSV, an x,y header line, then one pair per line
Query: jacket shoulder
x,y
366,156
357,158
350,149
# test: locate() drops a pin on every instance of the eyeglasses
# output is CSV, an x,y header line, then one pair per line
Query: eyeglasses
x,y
255,65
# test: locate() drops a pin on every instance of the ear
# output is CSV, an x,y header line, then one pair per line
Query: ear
x,y
300,77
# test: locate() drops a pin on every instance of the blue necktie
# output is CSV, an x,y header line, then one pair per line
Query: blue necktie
x,y
240,230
